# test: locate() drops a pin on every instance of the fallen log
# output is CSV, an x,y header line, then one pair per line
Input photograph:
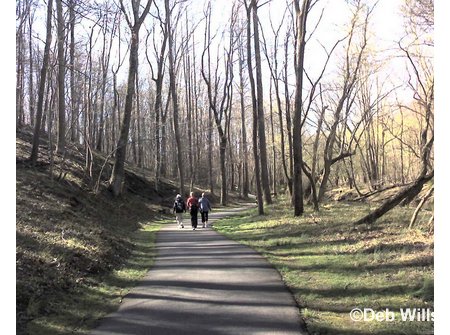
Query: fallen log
x,y
412,190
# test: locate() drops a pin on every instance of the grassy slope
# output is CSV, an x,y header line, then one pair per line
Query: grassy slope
x,y
331,267
77,252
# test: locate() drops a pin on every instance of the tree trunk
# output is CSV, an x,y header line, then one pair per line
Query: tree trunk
x,y
117,176
413,189
61,145
220,109
188,102
87,131
73,97
198,121
158,105
44,69
288,117
259,195
210,149
282,135
140,149
325,177
164,171
419,207
316,148
274,152
106,55
158,112
245,181
31,83
260,109
301,17
310,177
223,171
402,164
19,69
174,93
116,110
118,173
101,130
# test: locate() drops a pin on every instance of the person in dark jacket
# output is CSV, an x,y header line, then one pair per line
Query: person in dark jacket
x,y
192,205
205,207
179,207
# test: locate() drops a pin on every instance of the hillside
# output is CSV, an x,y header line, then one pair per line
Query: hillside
x,y
67,236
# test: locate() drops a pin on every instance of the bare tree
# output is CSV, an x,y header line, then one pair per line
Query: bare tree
x,y
259,193
158,77
73,93
272,61
260,106
22,12
301,17
352,68
287,101
174,93
42,82
220,107
190,106
104,63
31,74
61,144
245,179
117,175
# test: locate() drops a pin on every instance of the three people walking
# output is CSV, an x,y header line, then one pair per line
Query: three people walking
x,y
193,205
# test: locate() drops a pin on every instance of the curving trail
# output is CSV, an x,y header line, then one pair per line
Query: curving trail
x,y
204,283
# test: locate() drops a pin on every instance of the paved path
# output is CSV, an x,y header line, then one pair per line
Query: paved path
x,y
203,283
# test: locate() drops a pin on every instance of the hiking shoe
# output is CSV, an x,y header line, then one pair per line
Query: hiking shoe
x,y
182,226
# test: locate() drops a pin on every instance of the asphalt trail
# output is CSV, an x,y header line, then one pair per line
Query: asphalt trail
x,y
204,283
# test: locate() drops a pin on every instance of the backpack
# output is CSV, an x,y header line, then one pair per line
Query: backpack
x,y
179,206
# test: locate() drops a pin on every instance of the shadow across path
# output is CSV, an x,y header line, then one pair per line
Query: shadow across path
x,y
203,283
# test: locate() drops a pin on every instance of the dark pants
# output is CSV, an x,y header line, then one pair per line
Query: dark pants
x,y
204,217
194,218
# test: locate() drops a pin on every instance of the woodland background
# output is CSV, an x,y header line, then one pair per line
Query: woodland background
x,y
210,105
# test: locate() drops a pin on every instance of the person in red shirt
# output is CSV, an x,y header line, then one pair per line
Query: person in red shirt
x,y
192,205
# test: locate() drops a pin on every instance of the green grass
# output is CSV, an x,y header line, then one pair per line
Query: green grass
x,y
77,311
332,267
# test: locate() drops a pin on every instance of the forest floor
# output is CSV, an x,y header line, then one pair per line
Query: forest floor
x,y
78,251
332,267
